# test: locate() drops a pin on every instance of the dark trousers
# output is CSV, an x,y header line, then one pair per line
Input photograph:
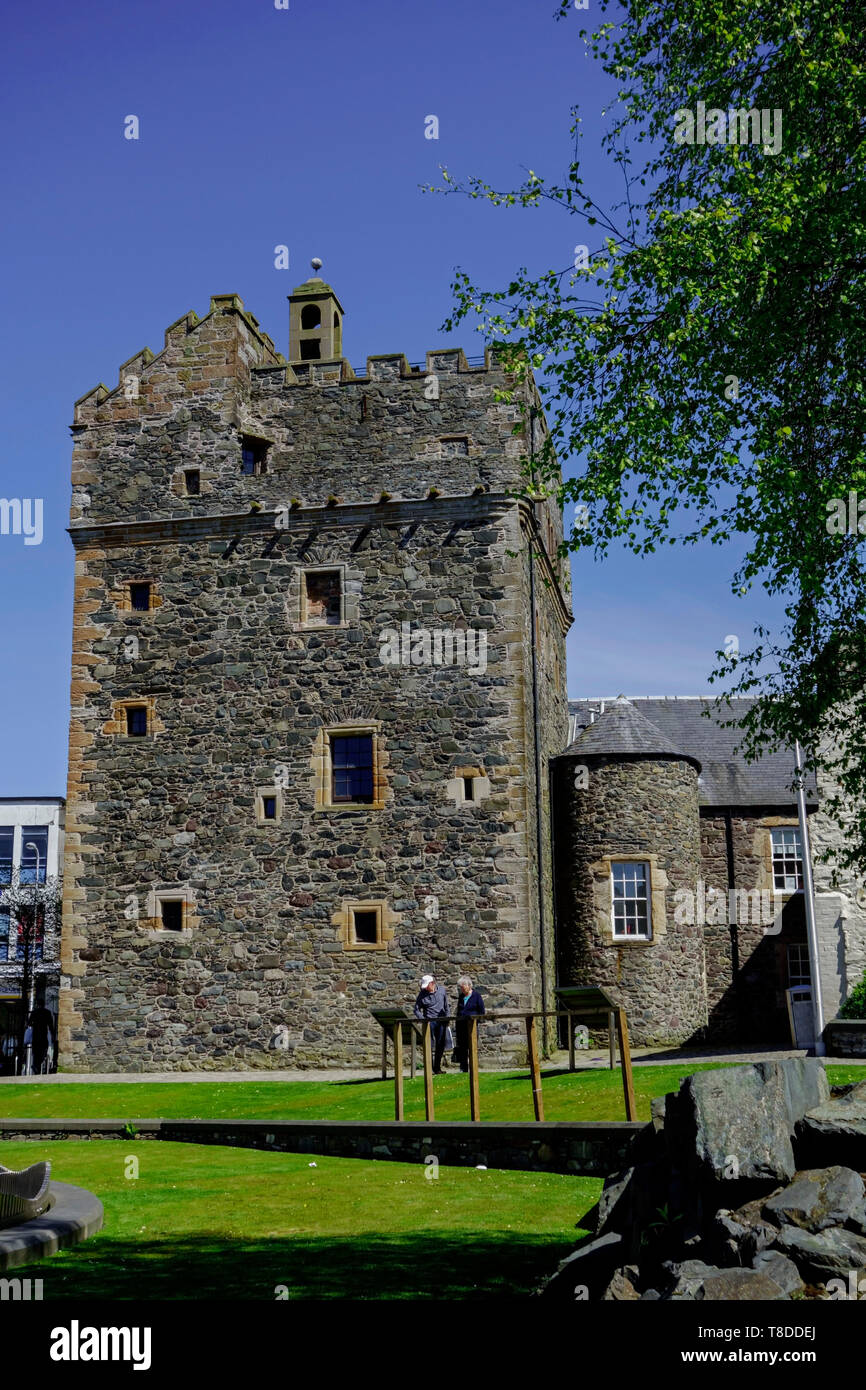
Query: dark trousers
x,y
438,1033
461,1051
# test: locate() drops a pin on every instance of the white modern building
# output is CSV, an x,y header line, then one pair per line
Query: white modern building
x,y
31,858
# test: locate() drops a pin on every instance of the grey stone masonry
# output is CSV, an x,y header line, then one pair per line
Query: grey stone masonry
x,y
326,556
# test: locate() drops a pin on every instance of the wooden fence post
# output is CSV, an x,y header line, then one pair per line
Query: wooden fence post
x,y
625,1059
384,1053
474,1098
398,1071
534,1068
428,1069
611,1038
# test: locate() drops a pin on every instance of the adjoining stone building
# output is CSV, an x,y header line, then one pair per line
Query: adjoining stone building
x,y
318,674
679,871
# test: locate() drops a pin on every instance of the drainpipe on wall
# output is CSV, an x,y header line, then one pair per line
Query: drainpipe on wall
x,y
733,929
536,725
539,835
809,900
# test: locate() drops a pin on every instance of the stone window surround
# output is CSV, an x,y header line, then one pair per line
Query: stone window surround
x,y
153,920
304,624
116,725
323,771
349,598
205,480
343,920
456,791
261,793
123,597
602,897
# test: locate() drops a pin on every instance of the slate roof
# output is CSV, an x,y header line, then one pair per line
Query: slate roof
x,y
623,729
726,779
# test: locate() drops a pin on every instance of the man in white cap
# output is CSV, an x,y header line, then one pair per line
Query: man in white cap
x,y
432,1004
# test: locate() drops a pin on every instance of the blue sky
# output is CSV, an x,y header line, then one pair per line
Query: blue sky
x,y
302,127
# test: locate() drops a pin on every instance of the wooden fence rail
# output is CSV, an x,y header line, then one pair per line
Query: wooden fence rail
x,y
396,1025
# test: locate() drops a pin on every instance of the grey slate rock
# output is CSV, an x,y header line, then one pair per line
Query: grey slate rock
x,y
739,1114
831,1253
835,1130
817,1199
805,1082
614,1204
621,1288
748,1114
592,1265
780,1269
745,1232
696,1281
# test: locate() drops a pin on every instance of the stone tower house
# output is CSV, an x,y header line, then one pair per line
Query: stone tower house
x,y
318,672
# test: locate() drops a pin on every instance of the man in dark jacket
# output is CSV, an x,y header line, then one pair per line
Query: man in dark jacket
x,y
432,1004
469,1005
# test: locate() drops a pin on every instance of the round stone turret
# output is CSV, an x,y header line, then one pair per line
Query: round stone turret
x,y
627,840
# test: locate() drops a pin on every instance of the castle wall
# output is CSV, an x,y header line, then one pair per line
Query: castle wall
x,y
405,498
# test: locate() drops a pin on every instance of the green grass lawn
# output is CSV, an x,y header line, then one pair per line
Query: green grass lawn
x,y
206,1223
583,1095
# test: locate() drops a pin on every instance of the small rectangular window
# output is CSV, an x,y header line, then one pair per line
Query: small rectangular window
x,y
269,807
787,859
254,454
352,768
139,597
632,915
192,479
322,596
136,721
365,925
7,840
468,788
171,912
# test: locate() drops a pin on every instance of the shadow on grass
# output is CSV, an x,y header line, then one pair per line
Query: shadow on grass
x,y
423,1265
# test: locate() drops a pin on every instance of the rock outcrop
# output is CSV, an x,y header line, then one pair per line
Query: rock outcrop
x,y
718,1203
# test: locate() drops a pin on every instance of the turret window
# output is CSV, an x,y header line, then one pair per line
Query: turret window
x,y
311,316
632,914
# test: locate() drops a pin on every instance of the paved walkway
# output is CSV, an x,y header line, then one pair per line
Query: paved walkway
x,y
595,1058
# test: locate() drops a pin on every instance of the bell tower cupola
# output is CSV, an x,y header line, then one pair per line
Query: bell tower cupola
x,y
315,321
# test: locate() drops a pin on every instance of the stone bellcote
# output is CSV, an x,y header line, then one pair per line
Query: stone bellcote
x,y
315,322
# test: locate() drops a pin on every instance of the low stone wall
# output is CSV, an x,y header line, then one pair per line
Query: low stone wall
x,y
846,1037
592,1149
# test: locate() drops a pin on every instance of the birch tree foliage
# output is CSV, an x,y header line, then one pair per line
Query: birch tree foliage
x,y
699,347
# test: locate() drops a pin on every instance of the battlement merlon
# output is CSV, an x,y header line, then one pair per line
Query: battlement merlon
x,y
197,353
169,439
